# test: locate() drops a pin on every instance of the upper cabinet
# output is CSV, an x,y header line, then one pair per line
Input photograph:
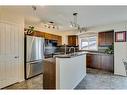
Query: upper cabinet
x,y
48,36
72,40
106,38
54,37
59,40
37,34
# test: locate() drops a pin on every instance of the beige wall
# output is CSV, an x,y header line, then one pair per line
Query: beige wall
x,y
11,17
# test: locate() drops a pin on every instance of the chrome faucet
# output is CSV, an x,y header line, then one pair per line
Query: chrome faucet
x,y
72,48
65,49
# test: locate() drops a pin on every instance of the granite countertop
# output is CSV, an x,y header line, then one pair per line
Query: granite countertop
x,y
100,53
96,52
81,53
49,60
53,60
69,55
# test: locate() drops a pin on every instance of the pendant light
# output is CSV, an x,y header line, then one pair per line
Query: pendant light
x,y
30,29
76,25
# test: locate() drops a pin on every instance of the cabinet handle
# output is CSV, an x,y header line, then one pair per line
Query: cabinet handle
x,y
16,57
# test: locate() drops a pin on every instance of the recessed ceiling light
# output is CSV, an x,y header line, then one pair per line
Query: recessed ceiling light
x,y
51,22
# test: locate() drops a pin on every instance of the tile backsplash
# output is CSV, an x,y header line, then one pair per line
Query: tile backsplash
x,y
102,49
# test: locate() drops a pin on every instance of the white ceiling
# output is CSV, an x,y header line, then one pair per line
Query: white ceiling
x,y
62,15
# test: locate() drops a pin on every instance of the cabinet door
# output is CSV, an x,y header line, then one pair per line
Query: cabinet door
x,y
106,38
96,61
54,37
109,39
89,59
48,36
69,40
93,61
72,40
107,63
49,76
37,34
9,53
59,40
101,38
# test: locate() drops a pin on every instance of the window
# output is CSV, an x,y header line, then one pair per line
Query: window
x,y
89,43
84,43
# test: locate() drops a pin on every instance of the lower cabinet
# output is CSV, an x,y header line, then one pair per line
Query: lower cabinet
x,y
100,61
107,63
49,75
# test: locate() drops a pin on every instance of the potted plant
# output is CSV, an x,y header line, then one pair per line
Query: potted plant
x,y
30,30
110,49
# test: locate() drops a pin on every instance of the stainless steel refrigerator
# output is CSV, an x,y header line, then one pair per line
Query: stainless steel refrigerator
x,y
34,55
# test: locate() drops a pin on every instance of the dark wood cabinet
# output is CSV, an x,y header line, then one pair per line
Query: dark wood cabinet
x,y
107,63
93,61
109,38
100,61
101,38
89,59
97,61
72,40
105,38
49,75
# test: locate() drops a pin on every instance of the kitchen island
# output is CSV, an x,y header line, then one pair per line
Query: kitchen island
x,y
64,71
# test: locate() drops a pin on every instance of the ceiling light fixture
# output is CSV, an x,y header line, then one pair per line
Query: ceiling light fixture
x,y
34,8
51,25
30,29
75,24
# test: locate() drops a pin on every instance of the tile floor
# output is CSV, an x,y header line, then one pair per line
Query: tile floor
x,y
33,83
95,79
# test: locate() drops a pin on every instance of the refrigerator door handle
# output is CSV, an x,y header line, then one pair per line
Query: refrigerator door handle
x,y
28,70
34,62
43,48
